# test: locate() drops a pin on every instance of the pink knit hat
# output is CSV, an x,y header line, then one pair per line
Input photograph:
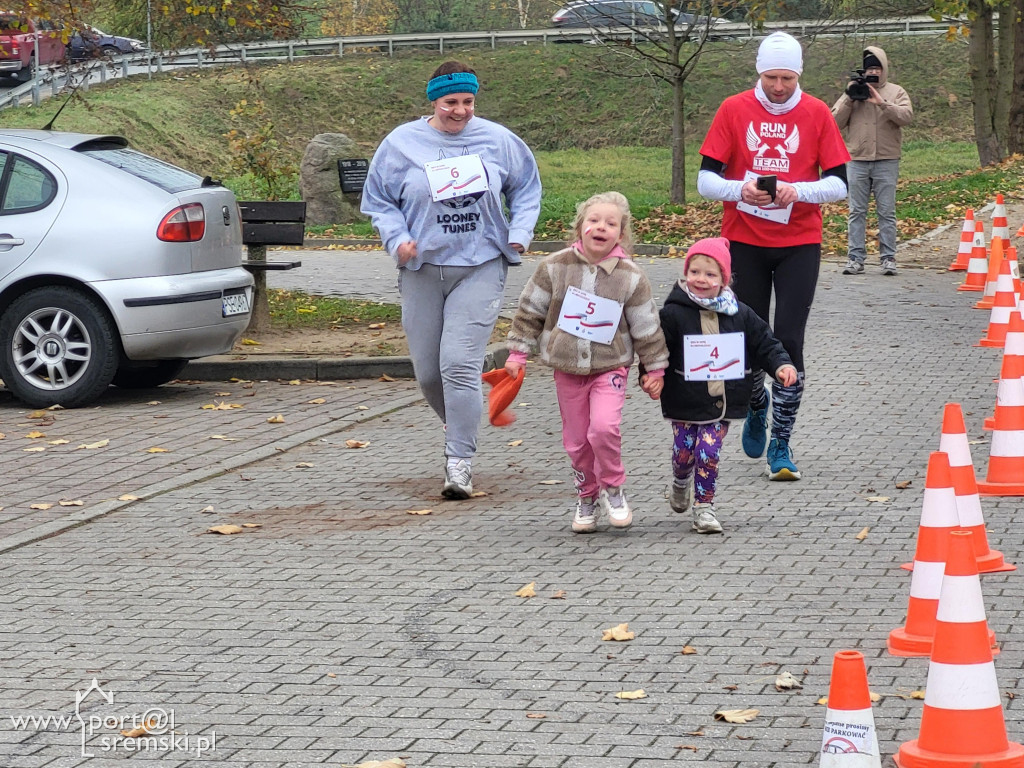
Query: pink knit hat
x,y
716,248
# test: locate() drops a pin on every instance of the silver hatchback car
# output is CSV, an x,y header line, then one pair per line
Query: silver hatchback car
x,y
115,267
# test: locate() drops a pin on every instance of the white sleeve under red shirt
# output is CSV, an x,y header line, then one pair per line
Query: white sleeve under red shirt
x,y
795,146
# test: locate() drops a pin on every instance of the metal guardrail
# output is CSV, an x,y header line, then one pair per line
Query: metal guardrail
x,y
289,50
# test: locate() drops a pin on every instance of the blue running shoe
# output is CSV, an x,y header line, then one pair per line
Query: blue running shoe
x,y
755,430
780,461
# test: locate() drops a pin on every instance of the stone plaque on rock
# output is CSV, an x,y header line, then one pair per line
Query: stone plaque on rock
x,y
327,203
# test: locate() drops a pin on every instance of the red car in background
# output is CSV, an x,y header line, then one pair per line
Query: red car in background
x,y
18,36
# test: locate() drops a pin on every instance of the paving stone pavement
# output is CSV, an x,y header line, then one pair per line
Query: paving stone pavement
x,y
344,629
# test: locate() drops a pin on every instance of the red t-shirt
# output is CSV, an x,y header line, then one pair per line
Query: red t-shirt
x,y
795,146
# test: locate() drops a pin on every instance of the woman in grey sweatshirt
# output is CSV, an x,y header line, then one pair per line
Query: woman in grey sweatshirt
x,y
437,191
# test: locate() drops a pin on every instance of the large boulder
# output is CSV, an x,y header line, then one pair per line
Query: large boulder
x,y
320,183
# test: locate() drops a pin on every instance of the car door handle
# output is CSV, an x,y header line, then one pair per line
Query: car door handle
x,y
6,239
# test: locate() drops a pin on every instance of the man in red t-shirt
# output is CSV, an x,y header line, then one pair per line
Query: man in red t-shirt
x,y
774,227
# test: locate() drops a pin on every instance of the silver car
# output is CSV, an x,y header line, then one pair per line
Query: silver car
x,y
115,267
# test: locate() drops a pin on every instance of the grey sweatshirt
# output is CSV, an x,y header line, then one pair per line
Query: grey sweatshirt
x,y
463,231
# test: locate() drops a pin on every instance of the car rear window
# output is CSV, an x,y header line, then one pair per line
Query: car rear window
x,y
169,178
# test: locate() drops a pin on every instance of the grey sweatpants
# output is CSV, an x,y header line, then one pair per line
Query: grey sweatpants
x,y
448,314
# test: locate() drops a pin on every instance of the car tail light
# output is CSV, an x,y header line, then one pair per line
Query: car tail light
x,y
185,224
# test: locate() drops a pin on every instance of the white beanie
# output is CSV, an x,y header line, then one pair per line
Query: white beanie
x,y
780,51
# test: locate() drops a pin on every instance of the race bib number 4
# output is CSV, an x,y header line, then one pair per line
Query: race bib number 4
x,y
710,357
588,316
456,177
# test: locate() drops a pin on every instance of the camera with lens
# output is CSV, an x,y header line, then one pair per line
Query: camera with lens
x,y
858,89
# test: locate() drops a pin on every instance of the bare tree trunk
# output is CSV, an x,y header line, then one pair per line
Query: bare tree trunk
x,y
1015,118
981,56
1004,65
677,193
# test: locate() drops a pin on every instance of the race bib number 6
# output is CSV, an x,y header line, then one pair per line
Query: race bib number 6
x,y
456,177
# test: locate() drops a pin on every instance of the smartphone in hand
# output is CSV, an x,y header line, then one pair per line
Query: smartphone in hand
x,y
766,184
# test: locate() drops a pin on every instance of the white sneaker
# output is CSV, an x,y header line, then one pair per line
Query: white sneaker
x,y
680,497
585,519
705,519
613,502
458,479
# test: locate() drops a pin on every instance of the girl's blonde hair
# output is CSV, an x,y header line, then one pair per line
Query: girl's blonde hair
x,y
613,198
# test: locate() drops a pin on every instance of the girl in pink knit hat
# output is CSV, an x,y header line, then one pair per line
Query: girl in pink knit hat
x,y
713,340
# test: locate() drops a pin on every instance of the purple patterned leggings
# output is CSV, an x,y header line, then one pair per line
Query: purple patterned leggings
x,y
695,452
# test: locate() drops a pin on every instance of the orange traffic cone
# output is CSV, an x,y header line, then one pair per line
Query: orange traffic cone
x,y
1006,453
1013,359
1004,305
503,391
938,519
1020,232
849,738
962,722
963,253
1000,227
996,257
977,267
953,442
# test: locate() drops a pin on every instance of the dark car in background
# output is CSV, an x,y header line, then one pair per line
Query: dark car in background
x,y
623,13
91,43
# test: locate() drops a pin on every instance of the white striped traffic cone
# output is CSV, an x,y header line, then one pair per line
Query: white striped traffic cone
x,y
963,253
849,739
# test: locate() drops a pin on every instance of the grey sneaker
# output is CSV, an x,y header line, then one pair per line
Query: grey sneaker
x,y
705,519
680,497
585,519
889,266
458,479
613,502
853,267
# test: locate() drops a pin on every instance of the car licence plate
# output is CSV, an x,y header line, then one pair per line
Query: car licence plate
x,y
234,304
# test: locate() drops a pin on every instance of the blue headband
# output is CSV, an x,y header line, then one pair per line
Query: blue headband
x,y
457,82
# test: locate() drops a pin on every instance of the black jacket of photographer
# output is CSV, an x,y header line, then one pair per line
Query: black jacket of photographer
x,y
694,401
875,131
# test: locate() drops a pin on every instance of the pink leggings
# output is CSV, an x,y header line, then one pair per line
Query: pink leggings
x,y
591,408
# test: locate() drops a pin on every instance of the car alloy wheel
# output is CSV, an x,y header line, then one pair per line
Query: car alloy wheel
x,y
59,347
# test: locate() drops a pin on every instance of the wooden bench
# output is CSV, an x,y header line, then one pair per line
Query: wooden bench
x,y
266,223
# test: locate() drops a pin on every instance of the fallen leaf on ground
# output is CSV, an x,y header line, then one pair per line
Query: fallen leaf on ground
x,y
356,443
224,437
71,503
393,762
920,695
376,326
127,497
142,730
536,715
903,484
863,534
362,408
477,494
730,687
222,394
40,506
156,449
37,449
294,382
823,701
694,733
221,406
250,343
879,499
90,446
786,681
620,632
38,415
527,591
207,510
252,525
418,511
304,465
874,696
690,747
316,401
687,650
385,377
550,482
558,595
515,443
35,434
226,530
153,402
279,419
631,695
59,441
736,715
